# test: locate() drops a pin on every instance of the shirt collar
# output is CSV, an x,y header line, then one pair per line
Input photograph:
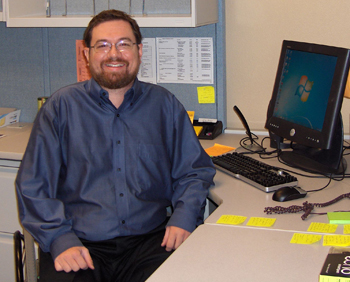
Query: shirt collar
x,y
96,92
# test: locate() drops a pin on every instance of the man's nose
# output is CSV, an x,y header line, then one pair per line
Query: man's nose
x,y
114,51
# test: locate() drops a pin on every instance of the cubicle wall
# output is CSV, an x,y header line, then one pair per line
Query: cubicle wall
x,y
36,62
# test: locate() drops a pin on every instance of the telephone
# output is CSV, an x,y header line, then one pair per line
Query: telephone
x,y
209,130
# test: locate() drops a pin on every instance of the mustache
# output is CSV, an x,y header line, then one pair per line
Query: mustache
x,y
111,61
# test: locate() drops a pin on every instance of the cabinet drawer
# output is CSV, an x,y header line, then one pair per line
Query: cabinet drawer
x,y
8,204
7,257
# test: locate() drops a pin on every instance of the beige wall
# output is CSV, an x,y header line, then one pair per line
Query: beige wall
x,y
255,30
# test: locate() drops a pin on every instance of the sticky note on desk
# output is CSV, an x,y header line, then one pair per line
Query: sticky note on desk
x,y
336,240
306,239
322,227
218,150
347,229
231,219
339,217
261,221
206,95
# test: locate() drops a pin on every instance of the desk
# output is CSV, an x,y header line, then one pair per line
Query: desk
x,y
217,252
221,253
235,197
13,145
239,198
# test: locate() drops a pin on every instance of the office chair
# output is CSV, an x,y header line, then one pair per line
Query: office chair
x,y
25,262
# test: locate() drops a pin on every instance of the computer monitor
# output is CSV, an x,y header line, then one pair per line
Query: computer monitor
x,y
305,106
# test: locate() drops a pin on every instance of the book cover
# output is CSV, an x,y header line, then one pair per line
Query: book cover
x,y
339,217
336,267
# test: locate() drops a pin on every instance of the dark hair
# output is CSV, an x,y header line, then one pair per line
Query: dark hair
x,y
111,15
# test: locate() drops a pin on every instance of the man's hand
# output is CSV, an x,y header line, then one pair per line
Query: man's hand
x,y
74,259
174,237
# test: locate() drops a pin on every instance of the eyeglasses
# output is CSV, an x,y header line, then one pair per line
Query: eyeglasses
x,y
105,47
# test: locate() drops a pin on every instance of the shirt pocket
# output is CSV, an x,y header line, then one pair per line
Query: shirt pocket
x,y
153,169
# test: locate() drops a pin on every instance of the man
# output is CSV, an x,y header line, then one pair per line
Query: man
x,y
106,157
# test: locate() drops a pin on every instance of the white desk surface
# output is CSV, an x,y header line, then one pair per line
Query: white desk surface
x,y
217,252
239,198
221,253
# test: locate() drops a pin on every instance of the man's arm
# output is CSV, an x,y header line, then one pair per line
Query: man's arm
x,y
40,211
192,174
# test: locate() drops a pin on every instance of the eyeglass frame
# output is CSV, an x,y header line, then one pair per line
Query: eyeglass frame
x,y
111,44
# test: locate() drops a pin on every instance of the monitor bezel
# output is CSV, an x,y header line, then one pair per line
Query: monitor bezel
x,y
304,135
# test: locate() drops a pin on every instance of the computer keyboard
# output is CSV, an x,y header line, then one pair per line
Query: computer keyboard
x,y
256,173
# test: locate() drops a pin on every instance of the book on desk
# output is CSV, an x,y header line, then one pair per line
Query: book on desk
x,y
336,267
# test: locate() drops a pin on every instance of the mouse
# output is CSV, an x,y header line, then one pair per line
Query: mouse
x,y
287,193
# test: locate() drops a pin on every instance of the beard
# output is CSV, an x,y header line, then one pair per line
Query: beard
x,y
114,80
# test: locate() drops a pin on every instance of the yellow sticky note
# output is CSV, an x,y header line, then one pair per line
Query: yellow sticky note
x,y
347,229
206,95
191,115
231,219
261,221
336,240
306,239
218,150
322,227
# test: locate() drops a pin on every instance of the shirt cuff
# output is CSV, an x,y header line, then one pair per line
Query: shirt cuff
x,y
182,219
64,242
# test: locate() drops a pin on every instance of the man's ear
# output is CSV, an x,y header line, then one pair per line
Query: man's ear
x,y
140,50
87,56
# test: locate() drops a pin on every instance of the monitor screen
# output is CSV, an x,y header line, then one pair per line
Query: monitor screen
x,y
308,93
304,88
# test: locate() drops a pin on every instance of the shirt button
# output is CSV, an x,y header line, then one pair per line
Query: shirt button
x,y
123,221
118,142
119,169
118,115
121,195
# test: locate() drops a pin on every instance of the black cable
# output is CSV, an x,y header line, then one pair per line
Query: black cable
x,y
263,154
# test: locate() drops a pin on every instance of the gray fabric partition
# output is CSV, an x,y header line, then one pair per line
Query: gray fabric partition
x,y
36,62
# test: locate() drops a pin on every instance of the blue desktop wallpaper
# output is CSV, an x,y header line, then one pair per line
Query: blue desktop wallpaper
x,y
304,88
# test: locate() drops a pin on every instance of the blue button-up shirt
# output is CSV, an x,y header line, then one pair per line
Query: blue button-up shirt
x,y
96,172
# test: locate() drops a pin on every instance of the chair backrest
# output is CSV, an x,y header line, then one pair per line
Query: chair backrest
x,y
19,243
25,260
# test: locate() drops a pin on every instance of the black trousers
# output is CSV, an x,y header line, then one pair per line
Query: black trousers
x,y
129,259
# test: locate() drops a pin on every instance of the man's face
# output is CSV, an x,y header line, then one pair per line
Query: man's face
x,y
114,69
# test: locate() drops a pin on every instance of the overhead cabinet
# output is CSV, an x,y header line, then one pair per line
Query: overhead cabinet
x,y
78,13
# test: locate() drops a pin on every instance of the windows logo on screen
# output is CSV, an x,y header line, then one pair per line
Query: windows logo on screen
x,y
304,88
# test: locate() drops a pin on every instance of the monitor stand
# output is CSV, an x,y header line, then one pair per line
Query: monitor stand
x,y
321,161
